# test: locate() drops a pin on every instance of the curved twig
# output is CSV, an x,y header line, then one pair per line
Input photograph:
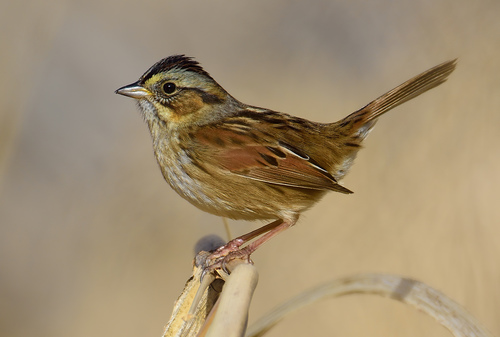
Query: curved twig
x,y
409,291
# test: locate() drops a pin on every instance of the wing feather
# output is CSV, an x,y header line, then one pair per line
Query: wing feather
x,y
274,163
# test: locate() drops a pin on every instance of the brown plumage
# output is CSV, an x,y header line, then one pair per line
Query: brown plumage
x,y
244,162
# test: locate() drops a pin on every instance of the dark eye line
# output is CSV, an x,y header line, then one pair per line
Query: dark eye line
x,y
205,96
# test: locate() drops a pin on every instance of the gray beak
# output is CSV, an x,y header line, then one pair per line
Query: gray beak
x,y
133,90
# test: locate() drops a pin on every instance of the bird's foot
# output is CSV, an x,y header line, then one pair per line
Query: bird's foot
x,y
223,258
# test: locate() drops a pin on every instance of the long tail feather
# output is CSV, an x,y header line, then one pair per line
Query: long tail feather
x,y
365,117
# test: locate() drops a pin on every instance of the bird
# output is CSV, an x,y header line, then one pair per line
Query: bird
x,y
245,162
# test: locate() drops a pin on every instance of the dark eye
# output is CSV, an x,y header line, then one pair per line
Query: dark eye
x,y
169,88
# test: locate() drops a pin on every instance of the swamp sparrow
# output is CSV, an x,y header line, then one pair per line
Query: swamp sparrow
x,y
243,162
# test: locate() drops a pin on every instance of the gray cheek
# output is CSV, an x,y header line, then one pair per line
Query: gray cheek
x,y
147,109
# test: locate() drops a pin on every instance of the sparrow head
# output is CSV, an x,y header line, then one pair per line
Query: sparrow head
x,y
178,91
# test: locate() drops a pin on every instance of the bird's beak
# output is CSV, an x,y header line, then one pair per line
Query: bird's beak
x,y
133,90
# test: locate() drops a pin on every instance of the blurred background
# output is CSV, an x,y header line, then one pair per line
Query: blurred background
x,y
93,242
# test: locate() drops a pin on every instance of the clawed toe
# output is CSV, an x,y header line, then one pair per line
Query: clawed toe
x,y
224,257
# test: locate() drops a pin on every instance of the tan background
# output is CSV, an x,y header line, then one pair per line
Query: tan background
x,y
93,242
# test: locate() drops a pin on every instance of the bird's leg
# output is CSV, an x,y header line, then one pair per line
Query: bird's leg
x,y
232,250
269,234
236,243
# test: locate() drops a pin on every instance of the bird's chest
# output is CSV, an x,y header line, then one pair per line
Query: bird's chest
x,y
177,166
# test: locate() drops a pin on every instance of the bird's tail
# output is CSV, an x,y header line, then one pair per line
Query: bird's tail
x,y
360,122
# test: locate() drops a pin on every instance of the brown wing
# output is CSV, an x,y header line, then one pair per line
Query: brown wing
x,y
275,162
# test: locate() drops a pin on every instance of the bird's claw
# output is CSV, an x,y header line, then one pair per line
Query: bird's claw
x,y
223,258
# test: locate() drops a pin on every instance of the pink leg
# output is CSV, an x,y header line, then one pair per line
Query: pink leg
x,y
236,243
232,250
278,228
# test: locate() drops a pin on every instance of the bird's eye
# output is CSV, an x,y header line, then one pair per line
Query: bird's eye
x,y
169,88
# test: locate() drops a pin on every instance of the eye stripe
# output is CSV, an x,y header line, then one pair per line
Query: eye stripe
x,y
206,97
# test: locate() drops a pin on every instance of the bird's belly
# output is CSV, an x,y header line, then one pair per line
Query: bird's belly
x,y
209,193
223,193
